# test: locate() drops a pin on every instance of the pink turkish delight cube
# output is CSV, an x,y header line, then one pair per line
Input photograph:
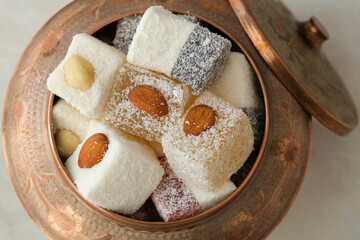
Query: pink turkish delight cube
x,y
173,200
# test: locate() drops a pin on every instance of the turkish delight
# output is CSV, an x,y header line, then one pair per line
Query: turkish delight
x,y
113,169
167,43
191,18
208,199
69,127
145,103
86,75
176,200
209,143
126,29
237,85
173,199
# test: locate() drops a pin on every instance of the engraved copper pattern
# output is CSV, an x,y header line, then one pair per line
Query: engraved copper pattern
x,y
305,71
53,201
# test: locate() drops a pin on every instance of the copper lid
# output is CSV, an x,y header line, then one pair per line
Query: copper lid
x,y
292,50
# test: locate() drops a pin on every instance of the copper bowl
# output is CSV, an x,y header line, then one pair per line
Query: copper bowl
x,y
53,201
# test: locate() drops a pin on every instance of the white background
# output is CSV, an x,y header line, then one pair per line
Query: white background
x,y
328,204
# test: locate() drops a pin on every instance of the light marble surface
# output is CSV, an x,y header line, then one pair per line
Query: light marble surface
x,y
328,204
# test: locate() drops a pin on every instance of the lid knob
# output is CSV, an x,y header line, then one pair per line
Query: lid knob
x,y
314,32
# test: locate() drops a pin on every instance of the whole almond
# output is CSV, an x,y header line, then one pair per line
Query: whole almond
x,y
199,119
149,99
93,150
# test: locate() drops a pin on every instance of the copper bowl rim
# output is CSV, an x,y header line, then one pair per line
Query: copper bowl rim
x,y
179,224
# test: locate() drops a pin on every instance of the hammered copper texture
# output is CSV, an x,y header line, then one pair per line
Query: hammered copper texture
x,y
44,189
305,71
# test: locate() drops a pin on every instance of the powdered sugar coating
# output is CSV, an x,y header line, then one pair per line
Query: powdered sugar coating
x,y
128,173
167,43
208,199
173,200
121,113
190,18
236,83
158,40
105,60
207,161
201,59
125,31
64,116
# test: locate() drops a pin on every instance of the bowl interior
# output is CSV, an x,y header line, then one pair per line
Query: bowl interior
x,y
241,178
